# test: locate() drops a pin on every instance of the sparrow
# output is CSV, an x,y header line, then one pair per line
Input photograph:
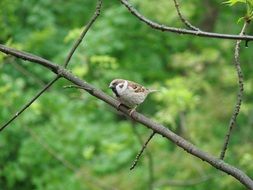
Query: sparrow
x,y
129,93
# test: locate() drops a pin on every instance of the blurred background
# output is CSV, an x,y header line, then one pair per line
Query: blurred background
x,y
71,140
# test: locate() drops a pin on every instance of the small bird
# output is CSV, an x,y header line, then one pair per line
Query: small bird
x,y
129,93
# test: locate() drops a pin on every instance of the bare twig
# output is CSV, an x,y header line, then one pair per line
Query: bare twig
x,y
158,128
28,56
149,158
142,150
87,27
186,22
29,103
236,111
163,28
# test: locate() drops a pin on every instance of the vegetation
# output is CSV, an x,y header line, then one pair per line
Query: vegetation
x,y
70,140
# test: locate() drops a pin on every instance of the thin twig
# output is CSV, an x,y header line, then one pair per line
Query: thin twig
x,y
29,103
163,28
142,150
30,57
236,111
87,27
149,157
140,118
186,22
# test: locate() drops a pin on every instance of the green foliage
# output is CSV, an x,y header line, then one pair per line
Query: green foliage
x,y
233,2
70,140
248,6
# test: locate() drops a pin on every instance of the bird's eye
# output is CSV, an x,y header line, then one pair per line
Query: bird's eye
x,y
121,86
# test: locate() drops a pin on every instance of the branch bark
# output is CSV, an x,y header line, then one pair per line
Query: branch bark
x,y
232,122
47,86
149,158
144,146
158,128
164,28
85,30
186,22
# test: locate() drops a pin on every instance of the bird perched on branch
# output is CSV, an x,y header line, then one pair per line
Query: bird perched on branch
x,y
129,93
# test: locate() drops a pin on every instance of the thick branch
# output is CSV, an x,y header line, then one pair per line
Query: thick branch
x,y
30,57
239,95
158,128
164,28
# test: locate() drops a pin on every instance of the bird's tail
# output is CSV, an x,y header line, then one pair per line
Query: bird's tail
x,y
152,90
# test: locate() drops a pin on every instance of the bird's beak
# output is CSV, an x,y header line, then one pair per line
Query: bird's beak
x,y
110,86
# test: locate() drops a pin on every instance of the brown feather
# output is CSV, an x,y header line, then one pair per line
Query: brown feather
x,y
137,87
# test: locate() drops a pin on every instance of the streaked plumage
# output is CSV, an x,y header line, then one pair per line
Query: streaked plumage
x,y
129,93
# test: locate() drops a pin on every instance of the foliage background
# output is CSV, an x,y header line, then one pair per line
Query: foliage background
x,y
195,76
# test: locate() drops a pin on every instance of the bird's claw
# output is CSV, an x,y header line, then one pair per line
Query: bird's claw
x,y
118,106
132,111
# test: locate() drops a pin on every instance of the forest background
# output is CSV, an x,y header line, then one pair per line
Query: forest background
x,y
70,140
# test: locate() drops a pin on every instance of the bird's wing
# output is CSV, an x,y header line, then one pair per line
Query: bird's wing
x,y
136,87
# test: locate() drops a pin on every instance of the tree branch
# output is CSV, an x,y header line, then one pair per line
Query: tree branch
x,y
48,64
142,150
149,157
236,111
186,22
164,28
47,86
158,128
87,27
